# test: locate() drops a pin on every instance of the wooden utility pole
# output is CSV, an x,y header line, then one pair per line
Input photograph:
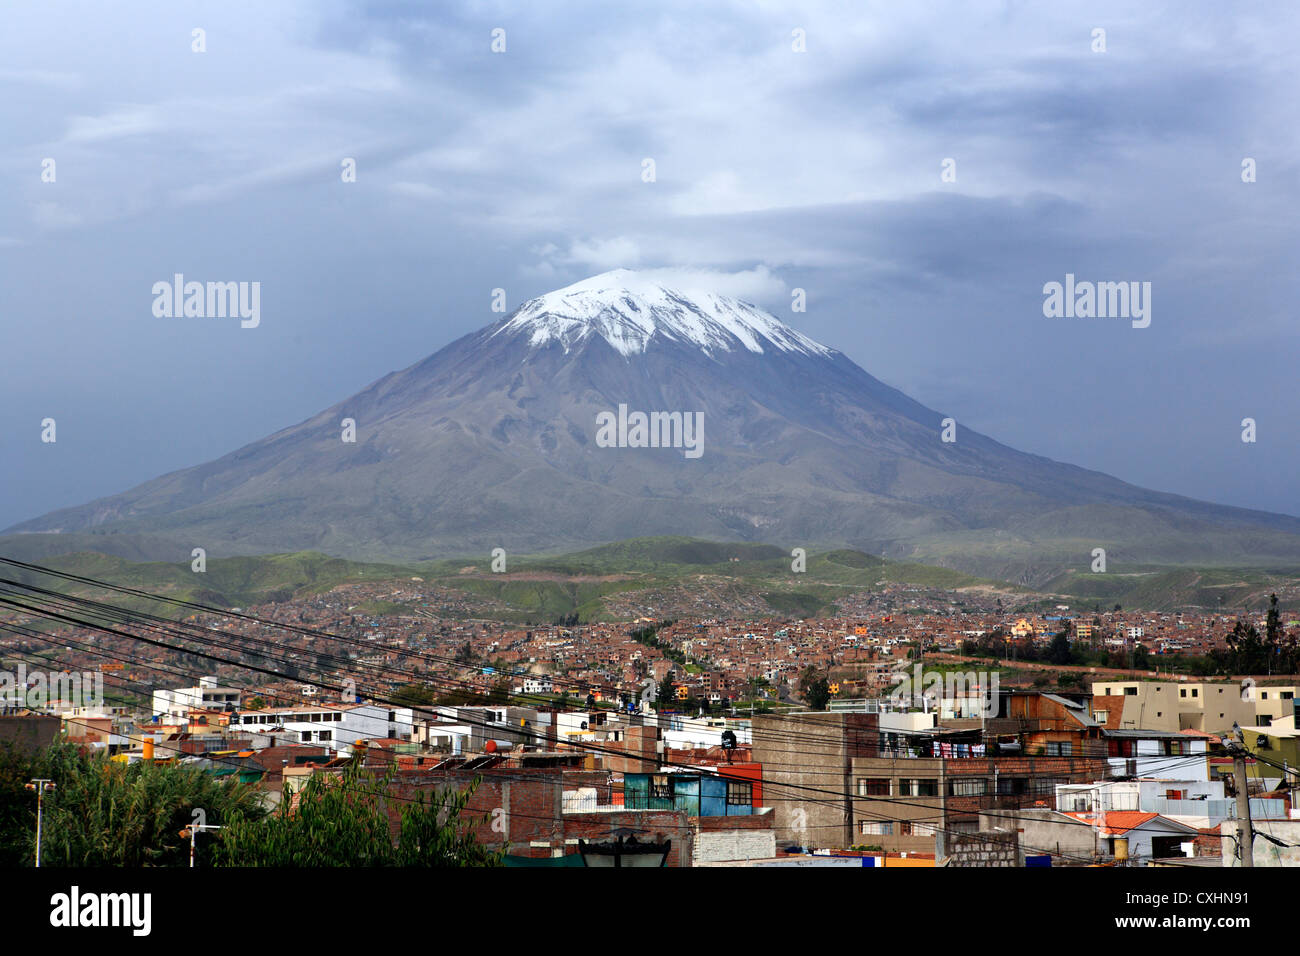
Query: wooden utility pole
x,y
1245,832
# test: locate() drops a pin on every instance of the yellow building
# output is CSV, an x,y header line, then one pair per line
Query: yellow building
x,y
1177,706
1274,703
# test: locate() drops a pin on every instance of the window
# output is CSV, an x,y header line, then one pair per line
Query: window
x,y
325,735
1130,691
873,787
1196,692
918,788
1011,785
876,828
1059,748
740,794
305,736
1182,692
974,787
660,788
1287,695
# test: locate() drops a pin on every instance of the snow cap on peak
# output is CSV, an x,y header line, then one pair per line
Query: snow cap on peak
x,y
631,309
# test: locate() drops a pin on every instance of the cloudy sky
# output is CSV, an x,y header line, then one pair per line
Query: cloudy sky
x,y
775,169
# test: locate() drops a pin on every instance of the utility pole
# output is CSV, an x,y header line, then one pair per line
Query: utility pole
x,y
1245,832
41,786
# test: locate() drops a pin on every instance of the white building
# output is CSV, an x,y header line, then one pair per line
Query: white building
x,y
1195,803
207,696
336,727
1159,754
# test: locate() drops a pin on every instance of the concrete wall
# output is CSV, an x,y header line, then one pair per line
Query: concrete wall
x,y
1266,853
1045,831
808,774
912,818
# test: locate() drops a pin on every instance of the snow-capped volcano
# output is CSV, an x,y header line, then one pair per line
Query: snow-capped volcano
x,y
494,441
629,310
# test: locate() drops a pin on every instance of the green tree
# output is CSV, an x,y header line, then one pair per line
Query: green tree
x,y
817,691
18,804
343,820
106,813
1248,653
1059,651
666,697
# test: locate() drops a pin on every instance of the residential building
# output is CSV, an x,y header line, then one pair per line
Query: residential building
x,y
207,696
336,727
1274,702
1179,705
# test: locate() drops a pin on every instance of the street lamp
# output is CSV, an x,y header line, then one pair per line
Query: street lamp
x,y
41,786
192,831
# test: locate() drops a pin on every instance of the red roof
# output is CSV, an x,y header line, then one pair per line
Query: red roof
x,y
1115,822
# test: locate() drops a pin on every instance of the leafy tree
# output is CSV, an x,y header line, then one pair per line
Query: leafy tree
x,y
1059,651
343,820
817,691
18,804
666,698
1141,657
1026,650
106,813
